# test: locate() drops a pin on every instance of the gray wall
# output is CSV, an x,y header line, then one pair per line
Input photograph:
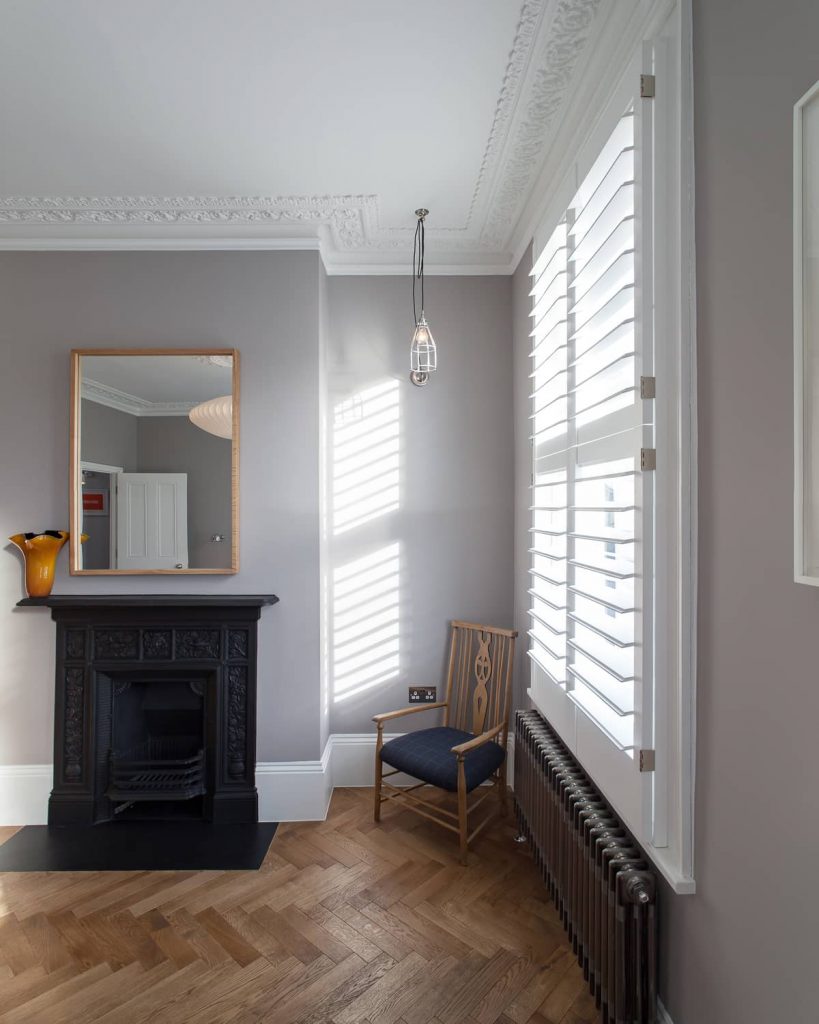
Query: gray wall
x,y
96,549
743,950
450,507
165,444
264,304
453,524
108,436
172,444
324,439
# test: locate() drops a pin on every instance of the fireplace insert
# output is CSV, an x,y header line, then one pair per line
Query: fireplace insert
x,y
161,768
157,756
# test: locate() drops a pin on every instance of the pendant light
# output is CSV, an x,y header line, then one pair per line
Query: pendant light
x,y
423,353
215,416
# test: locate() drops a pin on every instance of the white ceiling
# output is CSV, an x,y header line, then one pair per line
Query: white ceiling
x,y
283,124
136,383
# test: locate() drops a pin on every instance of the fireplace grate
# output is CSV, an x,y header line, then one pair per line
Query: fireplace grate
x,y
162,768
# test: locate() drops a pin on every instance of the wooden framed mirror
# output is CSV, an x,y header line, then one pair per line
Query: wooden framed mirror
x,y
154,483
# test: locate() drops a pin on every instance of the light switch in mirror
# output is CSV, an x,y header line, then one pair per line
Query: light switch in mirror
x,y
154,460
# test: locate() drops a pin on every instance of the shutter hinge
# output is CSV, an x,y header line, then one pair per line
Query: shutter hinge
x,y
648,84
648,458
646,760
648,387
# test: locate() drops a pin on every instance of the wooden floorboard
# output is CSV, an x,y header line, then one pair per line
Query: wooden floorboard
x,y
346,922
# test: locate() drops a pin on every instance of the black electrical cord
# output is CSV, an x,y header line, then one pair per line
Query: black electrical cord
x,y
418,267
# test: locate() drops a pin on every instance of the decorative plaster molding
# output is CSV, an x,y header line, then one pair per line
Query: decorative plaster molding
x,y
554,68
103,394
525,36
342,214
541,65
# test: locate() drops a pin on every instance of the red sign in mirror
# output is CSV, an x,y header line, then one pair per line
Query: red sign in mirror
x,y
95,501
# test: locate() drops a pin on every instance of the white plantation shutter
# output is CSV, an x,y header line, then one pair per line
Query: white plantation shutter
x,y
591,590
549,419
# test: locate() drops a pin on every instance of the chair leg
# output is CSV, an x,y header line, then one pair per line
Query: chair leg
x,y
503,792
463,826
378,770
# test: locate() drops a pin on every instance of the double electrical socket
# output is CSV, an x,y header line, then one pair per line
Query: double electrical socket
x,y
423,694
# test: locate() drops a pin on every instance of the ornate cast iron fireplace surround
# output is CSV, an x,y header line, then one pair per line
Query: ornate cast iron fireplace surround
x,y
103,639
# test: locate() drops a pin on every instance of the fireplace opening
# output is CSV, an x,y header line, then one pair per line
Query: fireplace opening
x,y
156,760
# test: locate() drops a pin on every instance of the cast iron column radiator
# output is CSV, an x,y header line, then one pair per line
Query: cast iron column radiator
x,y
596,874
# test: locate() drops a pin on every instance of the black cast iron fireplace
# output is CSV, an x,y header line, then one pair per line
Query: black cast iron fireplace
x,y
155,709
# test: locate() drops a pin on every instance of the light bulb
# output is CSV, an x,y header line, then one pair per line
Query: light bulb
x,y
423,354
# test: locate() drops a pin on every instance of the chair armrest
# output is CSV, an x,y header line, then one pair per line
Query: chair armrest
x,y
478,741
380,719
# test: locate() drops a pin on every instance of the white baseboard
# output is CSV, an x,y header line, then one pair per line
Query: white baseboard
x,y
24,793
288,790
663,1016
295,790
353,759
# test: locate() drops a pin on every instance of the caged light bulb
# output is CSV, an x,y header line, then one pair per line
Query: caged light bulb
x,y
423,354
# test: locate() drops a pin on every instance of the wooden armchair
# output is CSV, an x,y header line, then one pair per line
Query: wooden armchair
x,y
470,747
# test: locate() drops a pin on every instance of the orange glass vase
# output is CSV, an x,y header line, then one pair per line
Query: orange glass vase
x,y
40,552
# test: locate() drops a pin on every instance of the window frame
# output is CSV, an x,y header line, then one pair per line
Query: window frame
x,y
668,793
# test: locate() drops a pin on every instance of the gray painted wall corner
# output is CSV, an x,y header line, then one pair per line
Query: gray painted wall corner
x,y
434,527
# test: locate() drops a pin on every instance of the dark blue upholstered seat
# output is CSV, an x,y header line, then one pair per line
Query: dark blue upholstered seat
x,y
427,755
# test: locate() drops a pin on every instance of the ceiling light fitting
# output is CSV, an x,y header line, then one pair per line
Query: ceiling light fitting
x,y
423,353
215,416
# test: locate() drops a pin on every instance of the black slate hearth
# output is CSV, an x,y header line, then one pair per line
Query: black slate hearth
x,y
163,687
138,846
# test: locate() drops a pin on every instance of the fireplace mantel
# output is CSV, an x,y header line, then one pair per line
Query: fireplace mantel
x,y
107,641
149,601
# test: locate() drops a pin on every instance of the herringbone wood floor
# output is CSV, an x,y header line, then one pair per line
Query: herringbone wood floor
x,y
346,922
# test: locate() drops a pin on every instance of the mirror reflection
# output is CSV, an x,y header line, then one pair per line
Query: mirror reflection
x,y
154,462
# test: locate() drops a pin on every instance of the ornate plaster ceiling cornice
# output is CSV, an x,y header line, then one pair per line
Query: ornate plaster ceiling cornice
x,y
104,394
550,39
554,64
519,56
343,215
544,56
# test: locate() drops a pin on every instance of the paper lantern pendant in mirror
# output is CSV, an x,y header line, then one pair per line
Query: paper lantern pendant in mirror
x,y
215,416
40,552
